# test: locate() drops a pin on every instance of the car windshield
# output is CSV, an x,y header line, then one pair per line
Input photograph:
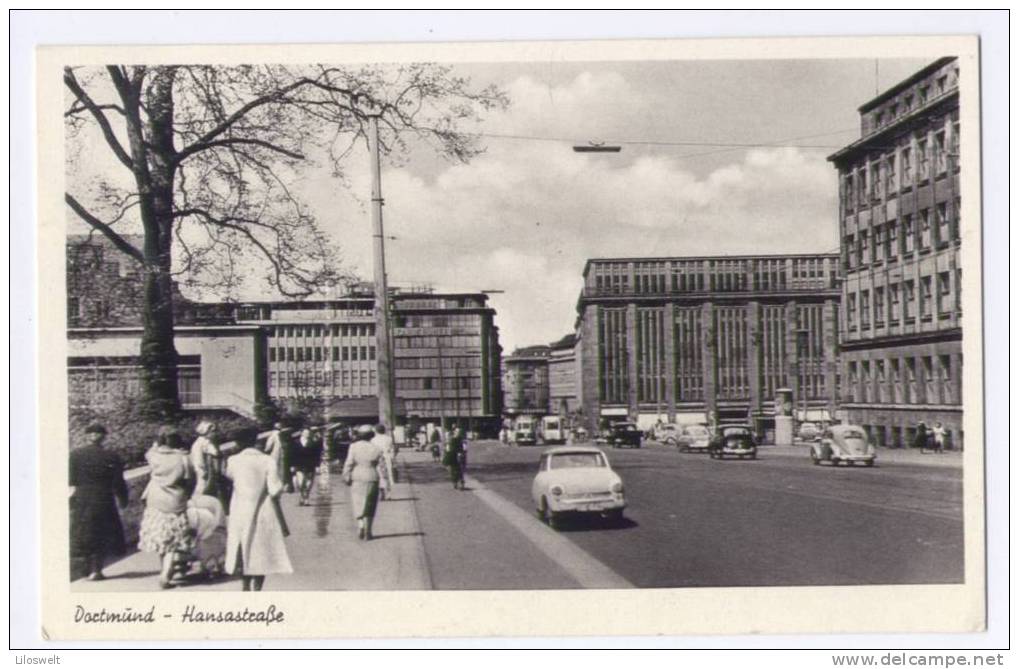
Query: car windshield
x,y
575,460
852,434
697,431
626,427
735,432
808,426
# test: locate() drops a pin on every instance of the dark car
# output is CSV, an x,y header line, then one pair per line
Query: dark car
x,y
624,434
735,440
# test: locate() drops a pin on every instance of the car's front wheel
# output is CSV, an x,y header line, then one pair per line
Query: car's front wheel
x,y
548,515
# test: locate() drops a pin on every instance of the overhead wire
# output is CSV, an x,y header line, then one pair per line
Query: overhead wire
x,y
675,143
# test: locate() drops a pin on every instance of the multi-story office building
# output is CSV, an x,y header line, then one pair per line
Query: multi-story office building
x,y
708,338
446,353
563,399
525,381
901,344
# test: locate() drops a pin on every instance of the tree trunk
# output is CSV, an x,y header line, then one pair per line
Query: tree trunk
x,y
155,176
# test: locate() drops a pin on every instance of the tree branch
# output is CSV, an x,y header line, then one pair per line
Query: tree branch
x,y
102,227
100,117
202,146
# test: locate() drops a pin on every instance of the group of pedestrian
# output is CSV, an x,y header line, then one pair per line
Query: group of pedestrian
x,y
187,486
930,438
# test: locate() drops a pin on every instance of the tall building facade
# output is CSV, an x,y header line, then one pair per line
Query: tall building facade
x,y
445,354
525,381
563,399
705,339
899,204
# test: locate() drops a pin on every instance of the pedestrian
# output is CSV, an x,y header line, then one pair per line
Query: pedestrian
x,y
361,473
305,460
97,486
276,447
387,475
256,529
436,444
920,437
165,529
938,437
455,457
205,460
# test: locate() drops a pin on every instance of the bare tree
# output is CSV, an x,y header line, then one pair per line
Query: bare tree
x,y
213,153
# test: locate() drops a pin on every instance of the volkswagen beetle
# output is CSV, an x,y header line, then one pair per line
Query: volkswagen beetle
x,y
843,443
735,440
573,480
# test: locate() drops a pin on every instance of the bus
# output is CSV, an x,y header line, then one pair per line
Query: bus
x,y
525,430
552,430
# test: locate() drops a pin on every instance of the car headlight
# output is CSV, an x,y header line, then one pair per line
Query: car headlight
x,y
557,490
617,487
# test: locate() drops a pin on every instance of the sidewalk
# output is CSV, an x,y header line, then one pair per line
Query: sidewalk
x,y
323,548
896,455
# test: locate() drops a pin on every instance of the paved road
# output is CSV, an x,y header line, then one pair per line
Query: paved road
x,y
693,521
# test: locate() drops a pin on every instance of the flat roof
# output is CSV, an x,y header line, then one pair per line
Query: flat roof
x,y
755,256
888,93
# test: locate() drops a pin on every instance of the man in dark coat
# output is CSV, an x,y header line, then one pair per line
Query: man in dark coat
x,y
455,457
97,485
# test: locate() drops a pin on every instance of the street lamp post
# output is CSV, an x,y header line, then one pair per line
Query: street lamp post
x,y
382,338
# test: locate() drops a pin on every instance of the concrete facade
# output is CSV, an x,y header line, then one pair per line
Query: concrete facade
x,y
899,205
563,399
525,381
708,338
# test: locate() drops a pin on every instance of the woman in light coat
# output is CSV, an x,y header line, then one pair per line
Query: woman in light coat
x,y
205,459
361,473
256,528
165,529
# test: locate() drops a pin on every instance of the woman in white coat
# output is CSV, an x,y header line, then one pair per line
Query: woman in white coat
x,y
255,529
361,473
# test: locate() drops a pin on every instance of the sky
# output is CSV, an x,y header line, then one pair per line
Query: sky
x,y
524,216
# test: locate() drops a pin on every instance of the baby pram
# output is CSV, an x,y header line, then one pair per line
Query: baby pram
x,y
208,521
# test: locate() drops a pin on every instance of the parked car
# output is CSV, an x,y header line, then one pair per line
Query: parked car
x,y
693,438
843,443
624,434
809,431
573,480
666,433
735,440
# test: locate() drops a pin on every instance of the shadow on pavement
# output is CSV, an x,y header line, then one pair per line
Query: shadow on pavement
x,y
594,523
396,535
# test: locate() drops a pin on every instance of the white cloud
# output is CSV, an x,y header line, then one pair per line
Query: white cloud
x,y
525,216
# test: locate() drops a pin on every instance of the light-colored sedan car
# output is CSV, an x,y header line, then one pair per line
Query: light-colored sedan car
x,y
809,431
843,443
576,480
693,438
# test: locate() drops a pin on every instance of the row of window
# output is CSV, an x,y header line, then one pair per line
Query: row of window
x,y
450,363
319,380
436,320
320,331
898,301
719,276
438,341
919,96
451,406
907,380
434,383
888,241
886,175
320,353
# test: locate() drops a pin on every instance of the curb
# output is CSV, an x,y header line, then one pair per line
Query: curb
x,y
422,554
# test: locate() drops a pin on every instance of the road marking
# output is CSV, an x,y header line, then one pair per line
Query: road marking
x,y
588,571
